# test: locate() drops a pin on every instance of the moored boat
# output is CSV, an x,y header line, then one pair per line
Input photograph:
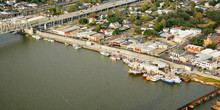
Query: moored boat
x,y
134,72
77,46
105,53
185,79
167,80
144,75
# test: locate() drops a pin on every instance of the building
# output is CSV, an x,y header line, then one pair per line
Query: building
x,y
193,48
96,37
167,36
92,20
217,30
212,38
185,57
207,59
175,54
108,32
115,25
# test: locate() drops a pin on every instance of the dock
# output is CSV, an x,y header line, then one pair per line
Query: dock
x,y
200,100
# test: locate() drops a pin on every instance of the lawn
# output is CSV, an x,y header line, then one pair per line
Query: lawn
x,y
207,24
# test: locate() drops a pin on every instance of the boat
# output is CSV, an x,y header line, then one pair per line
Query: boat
x,y
167,80
77,46
115,58
15,32
216,105
104,53
38,37
144,75
66,44
185,79
134,72
177,79
156,78
126,61
50,40
148,78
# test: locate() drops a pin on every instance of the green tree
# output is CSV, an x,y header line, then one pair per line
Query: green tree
x,y
208,30
212,46
212,3
97,28
72,8
132,18
138,23
193,4
137,30
83,21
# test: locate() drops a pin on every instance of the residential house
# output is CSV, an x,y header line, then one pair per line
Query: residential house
x,y
92,20
212,38
193,48
108,32
115,25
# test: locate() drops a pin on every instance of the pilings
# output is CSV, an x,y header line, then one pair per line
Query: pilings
x,y
200,100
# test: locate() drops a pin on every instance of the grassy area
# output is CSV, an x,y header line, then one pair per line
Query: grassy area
x,y
205,25
208,80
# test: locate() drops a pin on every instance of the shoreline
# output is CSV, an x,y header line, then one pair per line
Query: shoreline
x,y
202,78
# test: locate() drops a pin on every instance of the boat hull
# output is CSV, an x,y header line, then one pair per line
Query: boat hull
x,y
170,82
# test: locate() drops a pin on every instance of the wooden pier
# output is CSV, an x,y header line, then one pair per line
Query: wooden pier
x,y
200,100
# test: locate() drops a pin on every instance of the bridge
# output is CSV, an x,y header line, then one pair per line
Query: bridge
x,y
9,26
31,11
198,101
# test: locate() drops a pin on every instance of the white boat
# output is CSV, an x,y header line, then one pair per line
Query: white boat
x,y
66,44
134,72
177,79
104,53
38,37
77,46
126,61
15,32
50,40
156,78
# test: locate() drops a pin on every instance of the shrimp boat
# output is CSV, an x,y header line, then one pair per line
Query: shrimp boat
x,y
77,46
177,79
104,53
167,80
155,78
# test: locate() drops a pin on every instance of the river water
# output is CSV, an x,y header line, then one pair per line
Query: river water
x,y
38,75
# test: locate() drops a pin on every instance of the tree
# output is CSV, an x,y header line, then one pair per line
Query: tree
x,y
137,30
149,33
208,30
97,28
199,15
212,3
58,12
116,31
196,41
83,21
147,18
72,8
93,14
138,23
193,4
132,18
212,46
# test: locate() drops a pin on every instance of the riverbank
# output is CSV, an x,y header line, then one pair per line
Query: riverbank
x,y
202,78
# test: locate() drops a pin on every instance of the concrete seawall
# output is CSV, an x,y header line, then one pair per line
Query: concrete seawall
x,y
98,47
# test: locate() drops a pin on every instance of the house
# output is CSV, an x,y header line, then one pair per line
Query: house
x,y
115,25
217,30
193,48
148,11
212,38
96,37
104,25
124,45
217,5
167,36
108,32
181,35
127,26
92,20
175,54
